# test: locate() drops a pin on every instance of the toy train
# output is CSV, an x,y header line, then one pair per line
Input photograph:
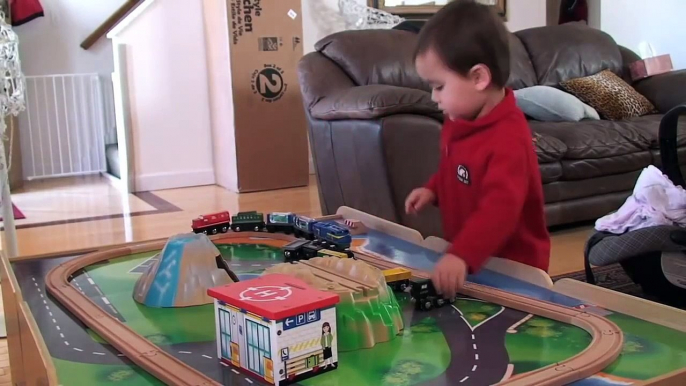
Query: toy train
x,y
325,234
421,290
306,249
316,238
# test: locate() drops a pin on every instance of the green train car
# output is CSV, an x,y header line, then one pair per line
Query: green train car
x,y
247,221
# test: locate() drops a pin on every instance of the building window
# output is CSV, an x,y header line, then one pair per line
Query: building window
x,y
225,333
259,346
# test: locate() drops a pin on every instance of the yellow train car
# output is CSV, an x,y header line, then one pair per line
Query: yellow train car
x,y
328,252
398,278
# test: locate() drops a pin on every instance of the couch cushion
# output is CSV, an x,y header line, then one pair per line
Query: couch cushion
x,y
550,172
548,149
594,139
570,190
375,56
568,51
582,169
522,72
649,126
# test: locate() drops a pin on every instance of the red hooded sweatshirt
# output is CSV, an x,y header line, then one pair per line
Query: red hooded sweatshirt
x,y
489,191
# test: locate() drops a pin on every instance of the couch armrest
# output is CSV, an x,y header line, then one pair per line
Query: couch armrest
x,y
372,102
665,90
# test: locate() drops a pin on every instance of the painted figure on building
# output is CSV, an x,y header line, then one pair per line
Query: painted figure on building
x,y
326,341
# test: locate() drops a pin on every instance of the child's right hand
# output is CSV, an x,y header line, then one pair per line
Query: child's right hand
x,y
418,199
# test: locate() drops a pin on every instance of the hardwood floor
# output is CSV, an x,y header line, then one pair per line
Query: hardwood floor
x,y
88,212
93,213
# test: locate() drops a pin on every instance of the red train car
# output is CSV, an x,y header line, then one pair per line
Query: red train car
x,y
212,223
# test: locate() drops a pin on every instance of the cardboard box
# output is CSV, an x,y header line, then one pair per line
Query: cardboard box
x,y
260,138
650,66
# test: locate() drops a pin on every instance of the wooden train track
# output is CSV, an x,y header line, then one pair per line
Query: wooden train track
x,y
605,347
138,349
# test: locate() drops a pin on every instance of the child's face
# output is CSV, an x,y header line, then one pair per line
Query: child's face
x,y
458,96
326,328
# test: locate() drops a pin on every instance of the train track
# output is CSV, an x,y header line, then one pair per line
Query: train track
x,y
605,347
138,349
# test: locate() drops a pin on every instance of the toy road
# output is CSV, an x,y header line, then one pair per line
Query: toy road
x,y
604,348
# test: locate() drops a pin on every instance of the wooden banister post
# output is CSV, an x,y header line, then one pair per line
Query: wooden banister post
x,y
110,23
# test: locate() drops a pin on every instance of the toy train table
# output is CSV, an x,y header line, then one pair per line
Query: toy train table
x,y
128,315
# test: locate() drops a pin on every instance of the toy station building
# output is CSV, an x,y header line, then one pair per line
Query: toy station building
x,y
276,327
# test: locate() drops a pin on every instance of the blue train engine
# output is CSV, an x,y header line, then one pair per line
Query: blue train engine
x,y
333,236
280,222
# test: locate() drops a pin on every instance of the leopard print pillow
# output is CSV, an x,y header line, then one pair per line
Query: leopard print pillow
x,y
611,96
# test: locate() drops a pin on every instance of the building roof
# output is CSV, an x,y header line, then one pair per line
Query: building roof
x,y
274,296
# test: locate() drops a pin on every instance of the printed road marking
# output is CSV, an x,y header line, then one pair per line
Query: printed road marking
x,y
58,328
61,335
185,352
45,302
513,328
120,355
249,381
208,357
41,295
77,349
476,356
33,278
464,379
482,322
98,353
91,281
474,368
36,284
47,308
38,289
474,346
50,313
473,337
67,343
104,299
54,321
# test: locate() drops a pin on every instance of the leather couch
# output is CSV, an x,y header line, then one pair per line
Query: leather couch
x,y
374,130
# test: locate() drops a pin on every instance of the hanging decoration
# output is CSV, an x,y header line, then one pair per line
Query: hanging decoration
x,y
11,103
358,16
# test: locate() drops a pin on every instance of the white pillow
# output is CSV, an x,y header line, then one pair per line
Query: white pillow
x,y
548,104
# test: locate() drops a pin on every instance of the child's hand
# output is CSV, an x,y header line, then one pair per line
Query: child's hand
x,y
449,275
418,199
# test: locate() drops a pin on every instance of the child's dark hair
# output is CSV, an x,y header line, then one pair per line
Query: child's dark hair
x,y
326,324
465,33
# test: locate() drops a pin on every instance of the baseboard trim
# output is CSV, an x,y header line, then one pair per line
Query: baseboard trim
x,y
172,180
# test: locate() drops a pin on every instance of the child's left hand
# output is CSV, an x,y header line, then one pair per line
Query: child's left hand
x,y
449,275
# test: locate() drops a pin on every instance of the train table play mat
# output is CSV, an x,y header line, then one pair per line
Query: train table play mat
x,y
129,315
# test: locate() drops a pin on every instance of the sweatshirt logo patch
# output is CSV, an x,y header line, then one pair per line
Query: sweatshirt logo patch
x,y
463,174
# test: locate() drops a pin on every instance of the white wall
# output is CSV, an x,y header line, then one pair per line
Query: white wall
x,y
321,18
221,95
166,68
522,14
51,44
660,23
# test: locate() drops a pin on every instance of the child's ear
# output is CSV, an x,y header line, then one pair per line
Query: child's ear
x,y
480,76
